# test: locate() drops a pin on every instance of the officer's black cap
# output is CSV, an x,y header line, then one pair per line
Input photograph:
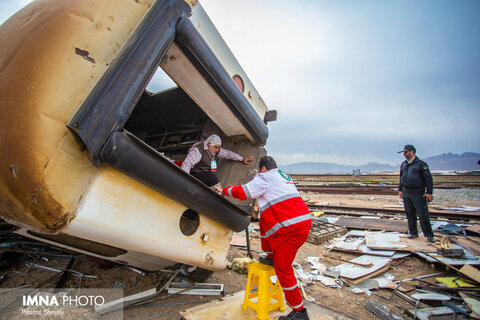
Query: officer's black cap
x,y
408,147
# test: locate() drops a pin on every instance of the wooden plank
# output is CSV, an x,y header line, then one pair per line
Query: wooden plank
x,y
404,287
475,228
229,308
373,224
464,246
471,242
471,272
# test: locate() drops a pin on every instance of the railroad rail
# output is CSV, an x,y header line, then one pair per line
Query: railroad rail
x,y
332,189
383,186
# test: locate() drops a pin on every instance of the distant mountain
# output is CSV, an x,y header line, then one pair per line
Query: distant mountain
x,y
447,161
451,161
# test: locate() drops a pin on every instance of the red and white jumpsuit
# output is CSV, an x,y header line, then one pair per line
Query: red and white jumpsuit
x,y
285,222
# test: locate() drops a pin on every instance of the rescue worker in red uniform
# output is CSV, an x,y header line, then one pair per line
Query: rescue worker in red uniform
x,y
285,222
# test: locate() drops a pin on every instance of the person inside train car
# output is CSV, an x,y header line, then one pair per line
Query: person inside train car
x,y
285,222
201,161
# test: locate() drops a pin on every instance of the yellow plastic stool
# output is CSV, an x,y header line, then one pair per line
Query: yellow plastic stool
x,y
259,275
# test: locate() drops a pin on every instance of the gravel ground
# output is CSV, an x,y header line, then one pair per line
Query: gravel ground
x,y
457,194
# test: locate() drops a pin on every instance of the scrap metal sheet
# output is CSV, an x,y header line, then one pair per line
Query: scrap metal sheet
x,y
351,271
396,241
468,258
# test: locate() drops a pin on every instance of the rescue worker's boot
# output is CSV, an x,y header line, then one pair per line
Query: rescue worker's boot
x,y
266,260
296,315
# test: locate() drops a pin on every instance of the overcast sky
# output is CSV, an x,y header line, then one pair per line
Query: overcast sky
x,y
353,81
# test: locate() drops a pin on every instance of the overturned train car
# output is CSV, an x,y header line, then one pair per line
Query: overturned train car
x,y
87,145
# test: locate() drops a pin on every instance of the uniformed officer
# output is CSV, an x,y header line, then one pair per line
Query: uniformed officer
x,y
415,177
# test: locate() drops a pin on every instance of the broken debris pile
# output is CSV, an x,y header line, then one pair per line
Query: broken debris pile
x,y
455,290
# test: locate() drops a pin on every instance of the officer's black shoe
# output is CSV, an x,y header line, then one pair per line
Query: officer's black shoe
x,y
266,260
412,236
296,315
431,239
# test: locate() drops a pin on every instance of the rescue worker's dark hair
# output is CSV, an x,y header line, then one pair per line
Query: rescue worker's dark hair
x,y
267,162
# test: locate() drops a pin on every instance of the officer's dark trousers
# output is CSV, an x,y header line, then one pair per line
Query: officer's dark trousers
x,y
415,204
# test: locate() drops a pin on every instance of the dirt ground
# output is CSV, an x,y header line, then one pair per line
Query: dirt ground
x,y
168,306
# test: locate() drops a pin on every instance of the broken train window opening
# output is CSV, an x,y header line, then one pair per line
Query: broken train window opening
x,y
166,118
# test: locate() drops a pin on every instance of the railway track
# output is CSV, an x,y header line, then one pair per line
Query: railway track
x,y
362,211
369,189
442,181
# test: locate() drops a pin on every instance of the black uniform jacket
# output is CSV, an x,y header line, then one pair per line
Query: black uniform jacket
x,y
415,175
